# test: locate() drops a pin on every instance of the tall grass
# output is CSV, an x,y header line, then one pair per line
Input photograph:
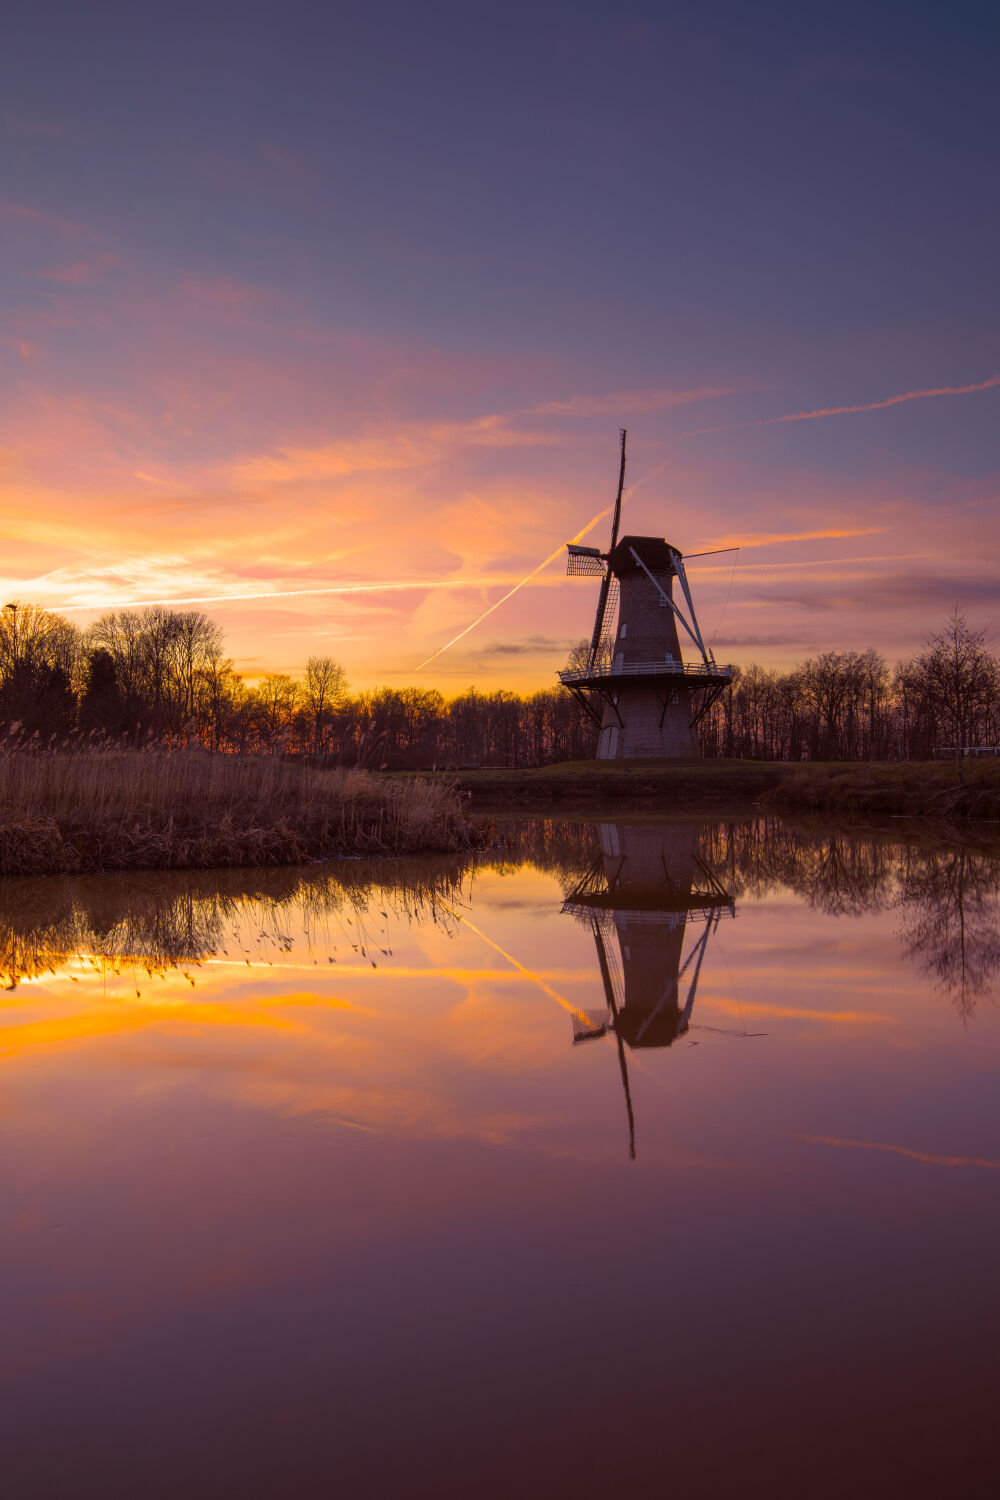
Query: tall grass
x,y
119,809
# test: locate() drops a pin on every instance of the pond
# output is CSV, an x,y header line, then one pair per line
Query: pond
x,y
621,1155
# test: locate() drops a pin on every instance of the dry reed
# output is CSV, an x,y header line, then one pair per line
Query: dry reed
x,y
118,809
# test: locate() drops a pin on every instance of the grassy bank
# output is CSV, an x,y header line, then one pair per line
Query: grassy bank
x,y
929,789
128,810
669,785
916,789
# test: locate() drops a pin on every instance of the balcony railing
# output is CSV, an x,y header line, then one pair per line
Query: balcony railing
x,y
646,669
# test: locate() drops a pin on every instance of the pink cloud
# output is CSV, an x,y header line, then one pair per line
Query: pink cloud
x,y
224,294
83,272
43,130
23,213
627,404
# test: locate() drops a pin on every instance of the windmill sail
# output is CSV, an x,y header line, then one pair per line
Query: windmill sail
x,y
604,598
618,502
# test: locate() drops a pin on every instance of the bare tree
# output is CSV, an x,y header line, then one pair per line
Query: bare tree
x,y
194,641
279,696
31,637
325,691
958,680
120,634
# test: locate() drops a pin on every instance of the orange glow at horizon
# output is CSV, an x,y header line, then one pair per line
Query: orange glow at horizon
x,y
365,546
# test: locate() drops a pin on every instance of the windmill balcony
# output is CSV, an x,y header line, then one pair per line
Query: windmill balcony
x,y
603,670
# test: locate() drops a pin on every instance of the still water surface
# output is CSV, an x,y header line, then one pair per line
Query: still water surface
x,y
624,1157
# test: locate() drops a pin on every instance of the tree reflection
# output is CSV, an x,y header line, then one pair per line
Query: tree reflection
x,y
949,925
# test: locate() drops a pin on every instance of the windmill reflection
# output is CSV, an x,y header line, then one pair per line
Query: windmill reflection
x,y
640,896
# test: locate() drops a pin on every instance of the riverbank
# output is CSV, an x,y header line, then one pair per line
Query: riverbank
x,y
126,810
912,789
716,786
927,789
131,810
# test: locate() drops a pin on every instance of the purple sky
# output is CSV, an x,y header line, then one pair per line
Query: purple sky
x,y
319,297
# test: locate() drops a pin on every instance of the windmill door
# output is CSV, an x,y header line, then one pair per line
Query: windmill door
x,y
607,745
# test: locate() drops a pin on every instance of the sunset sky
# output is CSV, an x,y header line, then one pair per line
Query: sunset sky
x,y
324,318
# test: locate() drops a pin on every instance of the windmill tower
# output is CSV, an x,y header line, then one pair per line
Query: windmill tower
x,y
641,896
634,682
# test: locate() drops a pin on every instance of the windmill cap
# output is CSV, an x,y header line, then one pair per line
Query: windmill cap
x,y
653,550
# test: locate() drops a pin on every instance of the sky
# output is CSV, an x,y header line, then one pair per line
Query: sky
x,y
324,318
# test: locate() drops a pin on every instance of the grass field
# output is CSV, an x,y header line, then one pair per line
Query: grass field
x,y
130,810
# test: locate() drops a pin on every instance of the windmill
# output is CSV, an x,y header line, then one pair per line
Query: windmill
x,y
645,892
634,682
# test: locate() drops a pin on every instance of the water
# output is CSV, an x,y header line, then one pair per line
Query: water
x,y
623,1158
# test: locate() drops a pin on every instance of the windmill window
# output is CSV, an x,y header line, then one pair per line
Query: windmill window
x,y
674,698
669,656
623,632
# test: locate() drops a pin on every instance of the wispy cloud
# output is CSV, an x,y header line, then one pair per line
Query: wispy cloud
x,y
842,411
414,444
531,645
82,272
932,1158
776,538
831,564
24,213
36,128
407,446
626,404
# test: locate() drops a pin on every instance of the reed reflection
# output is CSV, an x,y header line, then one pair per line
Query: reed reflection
x,y
155,922
640,896
945,891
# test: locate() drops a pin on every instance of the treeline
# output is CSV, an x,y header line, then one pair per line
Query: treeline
x,y
851,705
162,675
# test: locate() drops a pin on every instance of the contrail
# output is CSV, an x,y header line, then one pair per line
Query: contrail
x,y
480,618
344,588
536,978
840,411
511,592
601,515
